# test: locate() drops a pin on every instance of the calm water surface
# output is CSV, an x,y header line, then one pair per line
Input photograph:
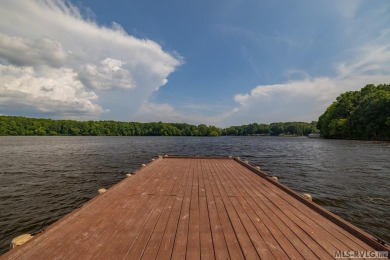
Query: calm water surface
x,y
44,178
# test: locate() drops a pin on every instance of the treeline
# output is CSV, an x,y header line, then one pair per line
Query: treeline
x,y
12,125
363,114
275,129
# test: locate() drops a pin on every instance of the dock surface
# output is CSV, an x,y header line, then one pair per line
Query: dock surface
x,y
192,208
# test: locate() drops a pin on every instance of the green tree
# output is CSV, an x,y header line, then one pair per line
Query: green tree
x,y
360,114
276,128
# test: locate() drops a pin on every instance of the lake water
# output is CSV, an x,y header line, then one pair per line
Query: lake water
x,y
44,178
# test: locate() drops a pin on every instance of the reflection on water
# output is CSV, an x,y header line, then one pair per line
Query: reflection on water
x,y
44,178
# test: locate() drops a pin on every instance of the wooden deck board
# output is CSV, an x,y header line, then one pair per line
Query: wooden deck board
x,y
206,242
196,208
247,247
279,219
325,229
277,204
180,243
219,243
193,246
150,248
166,246
248,219
287,218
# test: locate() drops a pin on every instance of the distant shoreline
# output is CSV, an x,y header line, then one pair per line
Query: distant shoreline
x,y
23,126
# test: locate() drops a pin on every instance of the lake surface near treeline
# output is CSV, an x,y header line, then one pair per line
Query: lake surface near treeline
x,y
44,178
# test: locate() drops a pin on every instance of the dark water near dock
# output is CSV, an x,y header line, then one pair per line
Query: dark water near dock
x,y
44,178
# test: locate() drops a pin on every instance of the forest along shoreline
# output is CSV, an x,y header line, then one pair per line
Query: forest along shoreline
x,y
363,115
14,125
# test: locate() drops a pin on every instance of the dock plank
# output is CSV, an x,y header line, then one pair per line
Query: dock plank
x,y
231,239
218,238
310,220
197,208
266,247
181,240
206,243
193,246
307,246
247,245
275,203
166,246
149,249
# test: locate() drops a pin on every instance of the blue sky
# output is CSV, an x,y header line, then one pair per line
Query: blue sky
x,y
227,62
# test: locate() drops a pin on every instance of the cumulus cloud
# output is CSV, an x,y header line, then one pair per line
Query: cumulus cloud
x,y
293,101
110,73
296,100
303,98
51,91
52,43
27,52
363,59
307,99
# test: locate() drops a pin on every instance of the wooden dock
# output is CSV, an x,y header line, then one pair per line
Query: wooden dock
x,y
198,207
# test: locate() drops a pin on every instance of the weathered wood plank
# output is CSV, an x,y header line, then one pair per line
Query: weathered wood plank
x,y
231,239
323,230
206,242
259,202
166,247
263,241
150,248
219,243
181,240
193,246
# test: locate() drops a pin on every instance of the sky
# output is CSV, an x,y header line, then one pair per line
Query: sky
x,y
218,62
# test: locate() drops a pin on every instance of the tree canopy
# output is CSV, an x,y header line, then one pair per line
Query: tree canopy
x,y
363,114
14,125
274,129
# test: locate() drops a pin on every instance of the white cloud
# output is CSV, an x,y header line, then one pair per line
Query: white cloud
x,y
51,91
110,73
52,38
27,52
303,98
307,99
